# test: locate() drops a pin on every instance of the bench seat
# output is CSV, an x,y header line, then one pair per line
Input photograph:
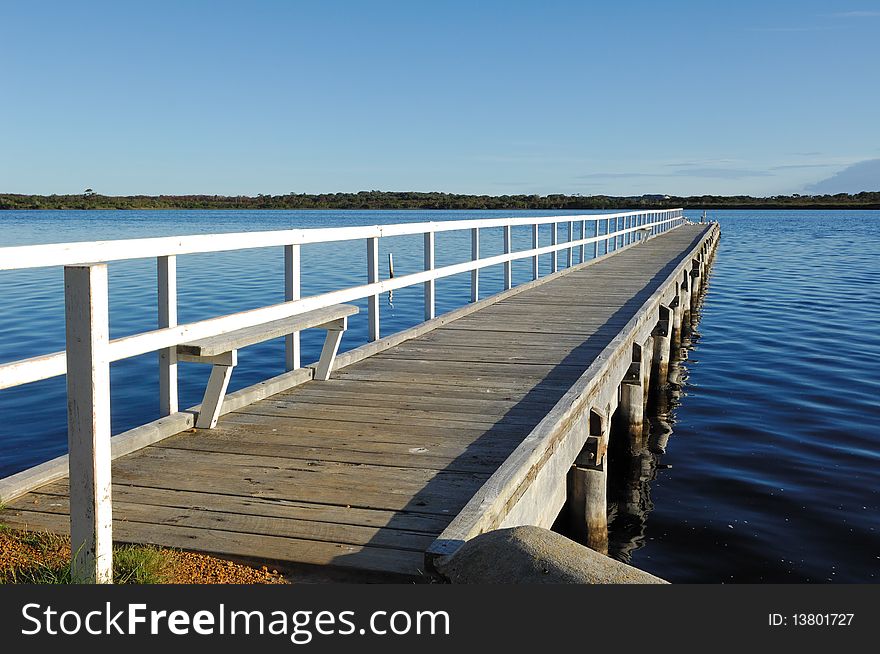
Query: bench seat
x,y
222,351
240,338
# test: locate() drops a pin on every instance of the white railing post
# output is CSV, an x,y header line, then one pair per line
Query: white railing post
x,y
166,277
372,278
604,240
535,247
570,255
596,242
583,236
292,291
554,238
429,285
475,273
508,265
86,305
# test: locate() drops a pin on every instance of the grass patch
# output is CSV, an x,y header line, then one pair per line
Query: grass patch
x,y
28,557
140,564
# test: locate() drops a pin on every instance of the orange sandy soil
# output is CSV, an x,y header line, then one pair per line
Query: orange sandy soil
x,y
22,552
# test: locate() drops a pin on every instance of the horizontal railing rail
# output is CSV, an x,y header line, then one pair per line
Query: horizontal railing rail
x,y
53,365
65,254
89,350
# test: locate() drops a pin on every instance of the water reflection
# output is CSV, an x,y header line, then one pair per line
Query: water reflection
x,y
631,475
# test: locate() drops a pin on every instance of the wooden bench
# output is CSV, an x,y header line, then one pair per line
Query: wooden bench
x,y
222,351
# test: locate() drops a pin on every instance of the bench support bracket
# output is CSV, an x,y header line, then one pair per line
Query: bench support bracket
x,y
218,382
331,347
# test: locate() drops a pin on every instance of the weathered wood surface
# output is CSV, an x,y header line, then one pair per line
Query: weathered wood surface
x,y
240,338
364,471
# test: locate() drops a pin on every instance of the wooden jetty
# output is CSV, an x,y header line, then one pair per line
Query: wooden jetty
x,y
493,415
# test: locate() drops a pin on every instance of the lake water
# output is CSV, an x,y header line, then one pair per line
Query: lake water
x,y
772,470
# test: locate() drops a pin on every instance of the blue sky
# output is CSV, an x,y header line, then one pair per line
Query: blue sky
x,y
474,97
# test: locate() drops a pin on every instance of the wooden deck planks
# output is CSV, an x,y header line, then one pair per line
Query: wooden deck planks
x,y
362,471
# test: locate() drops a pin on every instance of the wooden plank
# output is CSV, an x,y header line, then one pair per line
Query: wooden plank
x,y
483,338
245,523
240,338
381,487
389,432
463,369
486,404
401,456
427,389
531,355
484,382
400,415
315,512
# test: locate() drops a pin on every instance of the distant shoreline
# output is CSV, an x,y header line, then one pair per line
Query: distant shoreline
x,y
383,200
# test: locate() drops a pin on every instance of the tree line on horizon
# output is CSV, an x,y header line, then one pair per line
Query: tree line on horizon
x,y
435,200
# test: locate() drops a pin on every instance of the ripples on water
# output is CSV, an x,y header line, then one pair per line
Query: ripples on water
x,y
773,463
774,457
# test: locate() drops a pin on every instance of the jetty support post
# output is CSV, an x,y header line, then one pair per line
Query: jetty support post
x,y
662,347
632,402
587,487
684,294
647,369
696,281
87,330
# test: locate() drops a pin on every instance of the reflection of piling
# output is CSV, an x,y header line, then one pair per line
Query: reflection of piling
x,y
630,492
587,488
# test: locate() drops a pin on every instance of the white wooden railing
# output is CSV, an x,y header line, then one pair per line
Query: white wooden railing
x,y
89,350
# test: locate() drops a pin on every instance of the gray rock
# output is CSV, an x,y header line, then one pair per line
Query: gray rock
x,y
531,555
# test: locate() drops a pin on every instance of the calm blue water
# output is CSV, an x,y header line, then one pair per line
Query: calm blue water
x,y
774,456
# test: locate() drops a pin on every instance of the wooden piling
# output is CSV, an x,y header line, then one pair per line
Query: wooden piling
x,y
684,306
632,402
647,368
588,487
696,282
662,347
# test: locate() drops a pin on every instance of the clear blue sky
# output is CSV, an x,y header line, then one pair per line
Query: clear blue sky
x,y
474,97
